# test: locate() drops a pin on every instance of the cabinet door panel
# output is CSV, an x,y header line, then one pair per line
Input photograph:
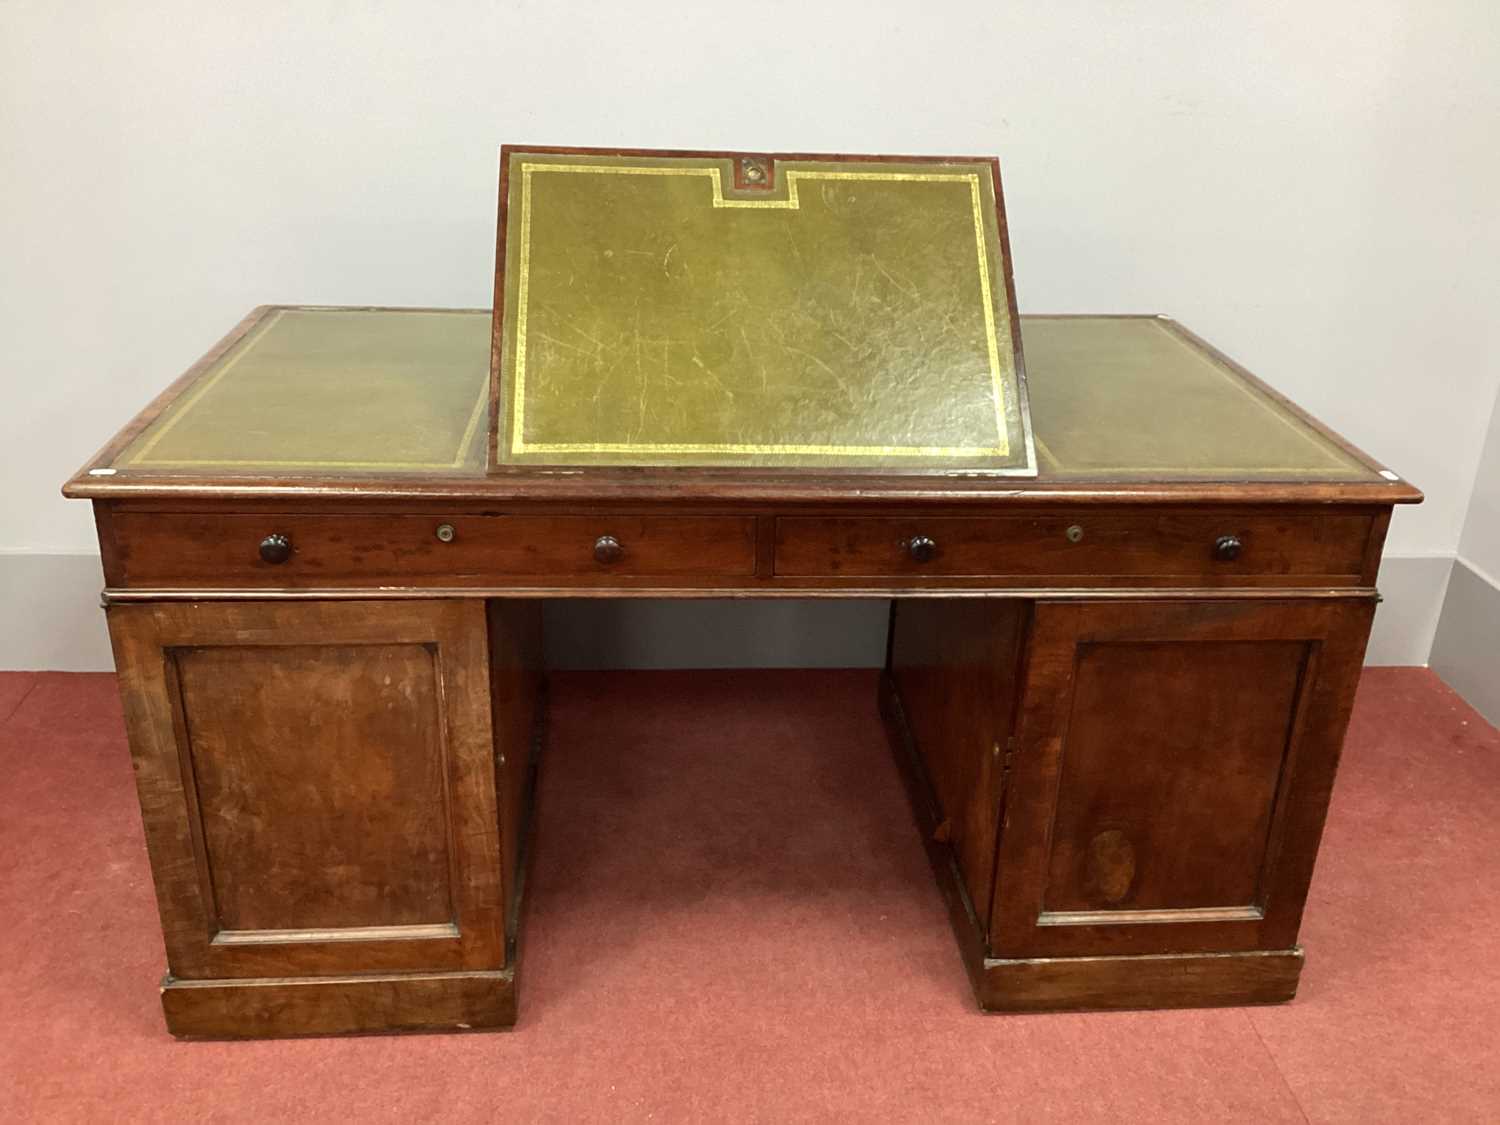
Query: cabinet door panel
x,y
332,814
1165,803
1171,775
317,784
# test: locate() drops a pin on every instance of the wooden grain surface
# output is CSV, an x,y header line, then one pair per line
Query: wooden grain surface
x,y
206,550
956,666
318,774
1172,759
1172,772
1084,983
1180,980
516,699
334,816
1139,545
162,547
285,1007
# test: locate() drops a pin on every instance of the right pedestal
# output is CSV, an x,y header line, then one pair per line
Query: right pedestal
x,y
1123,797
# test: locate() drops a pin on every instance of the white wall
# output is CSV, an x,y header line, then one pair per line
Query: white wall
x,y
1480,546
1466,644
1310,186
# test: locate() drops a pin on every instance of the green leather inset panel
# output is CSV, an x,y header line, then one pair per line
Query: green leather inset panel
x,y
853,314
1130,397
310,393
334,390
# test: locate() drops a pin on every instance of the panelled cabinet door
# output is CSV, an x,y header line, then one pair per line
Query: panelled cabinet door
x,y
317,784
1171,774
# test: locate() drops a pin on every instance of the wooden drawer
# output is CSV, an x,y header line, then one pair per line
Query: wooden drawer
x,y
1082,545
223,551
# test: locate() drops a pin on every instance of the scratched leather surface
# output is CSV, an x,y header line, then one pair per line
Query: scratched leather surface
x,y
1129,396
650,317
332,390
390,391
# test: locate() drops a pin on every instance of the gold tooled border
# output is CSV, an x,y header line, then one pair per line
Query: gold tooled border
x,y
1340,463
140,458
520,447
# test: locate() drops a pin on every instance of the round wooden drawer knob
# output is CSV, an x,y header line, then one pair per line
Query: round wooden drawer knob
x,y
1227,548
607,549
921,549
275,549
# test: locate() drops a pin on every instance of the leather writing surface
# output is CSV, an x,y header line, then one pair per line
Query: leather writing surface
x,y
332,390
1128,395
846,313
307,392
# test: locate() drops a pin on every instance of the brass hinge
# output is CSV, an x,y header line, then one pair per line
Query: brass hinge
x,y
1005,752
1007,756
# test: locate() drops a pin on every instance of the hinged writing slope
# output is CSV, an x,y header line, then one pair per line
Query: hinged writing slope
x,y
777,311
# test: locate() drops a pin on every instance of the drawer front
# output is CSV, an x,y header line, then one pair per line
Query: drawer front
x,y
213,551
1220,547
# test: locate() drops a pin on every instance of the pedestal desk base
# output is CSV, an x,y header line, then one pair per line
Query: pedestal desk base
x,y
280,1007
1174,980
1091,983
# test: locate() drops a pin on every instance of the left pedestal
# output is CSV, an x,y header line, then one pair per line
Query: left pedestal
x,y
334,797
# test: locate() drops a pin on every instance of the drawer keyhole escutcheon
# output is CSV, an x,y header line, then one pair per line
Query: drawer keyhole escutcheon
x,y
1227,548
921,548
607,549
445,533
1074,534
275,549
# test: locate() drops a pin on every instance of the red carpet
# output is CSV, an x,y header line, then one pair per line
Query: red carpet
x,y
734,920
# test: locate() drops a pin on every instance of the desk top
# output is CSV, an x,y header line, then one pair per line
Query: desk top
x,y
395,402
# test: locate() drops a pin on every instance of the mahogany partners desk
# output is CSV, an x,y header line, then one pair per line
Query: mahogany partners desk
x,y
1117,690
